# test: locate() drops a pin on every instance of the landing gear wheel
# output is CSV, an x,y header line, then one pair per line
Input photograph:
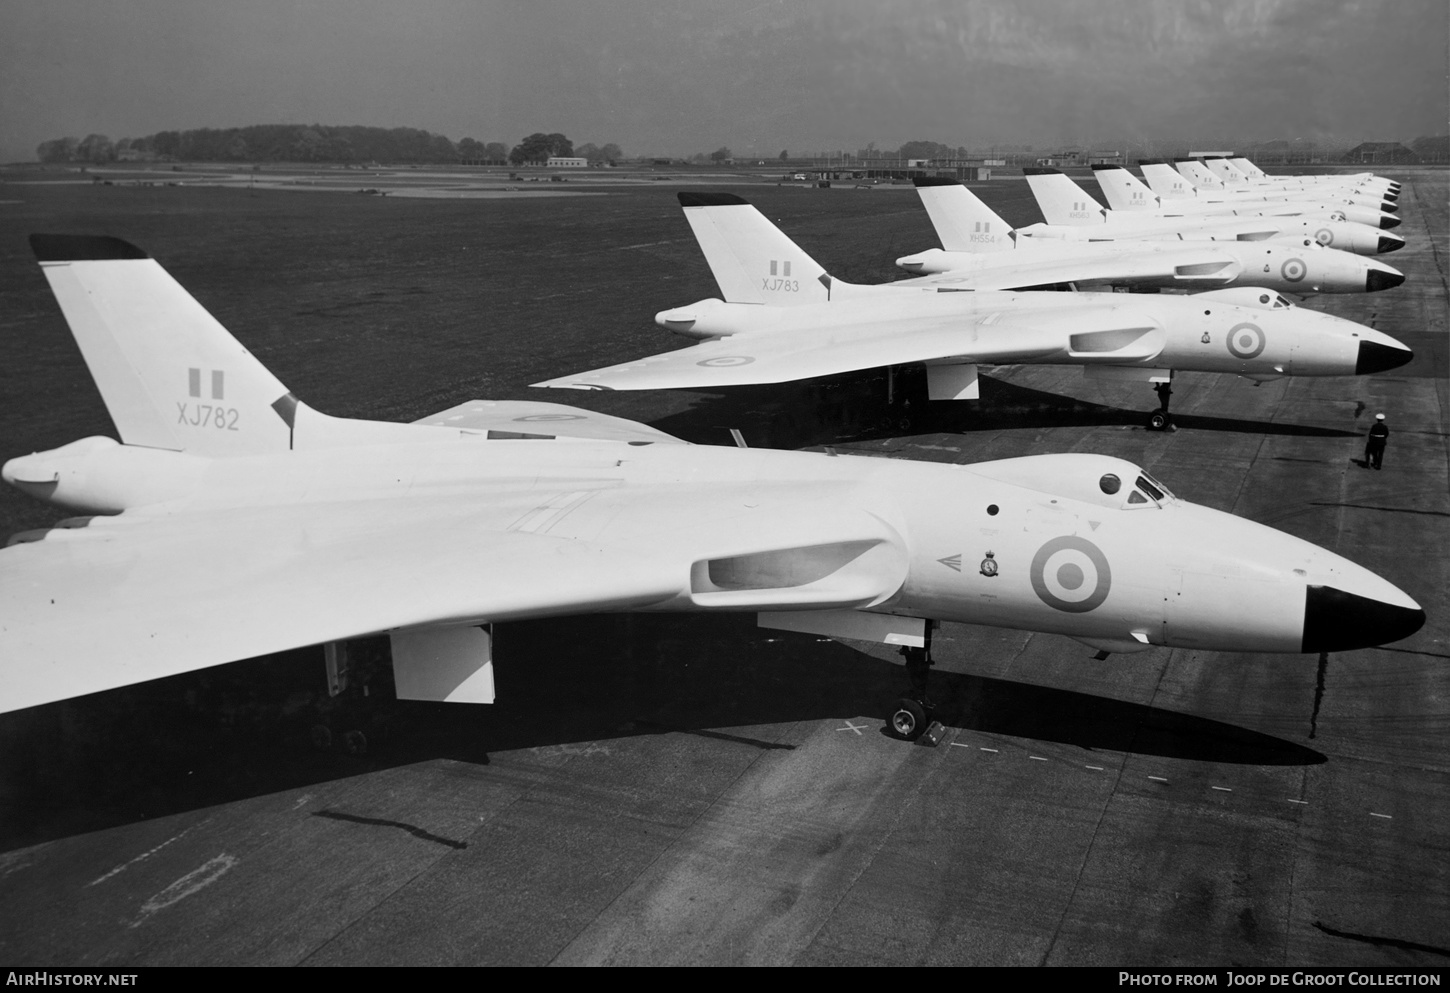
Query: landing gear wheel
x,y
1158,421
909,719
321,737
355,743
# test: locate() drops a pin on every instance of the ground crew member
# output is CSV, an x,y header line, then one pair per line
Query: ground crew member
x,y
1374,448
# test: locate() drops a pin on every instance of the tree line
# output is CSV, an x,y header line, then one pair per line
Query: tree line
x,y
314,143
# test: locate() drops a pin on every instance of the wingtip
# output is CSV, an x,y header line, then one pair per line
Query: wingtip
x,y
82,248
695,199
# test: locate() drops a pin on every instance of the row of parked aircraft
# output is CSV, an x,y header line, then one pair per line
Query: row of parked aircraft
x,y
231,520
782,317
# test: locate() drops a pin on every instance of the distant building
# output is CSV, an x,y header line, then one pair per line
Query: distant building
x,y
1381,152
561,162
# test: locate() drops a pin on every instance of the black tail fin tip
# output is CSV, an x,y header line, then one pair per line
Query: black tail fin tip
x,y
921,181
1100,166
1040,171
690,199
82,248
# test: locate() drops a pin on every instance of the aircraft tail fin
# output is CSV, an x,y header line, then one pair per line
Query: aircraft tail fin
x,y
752,259
1225,170
1198,174
962,221
170,375
1165,181
1122,189
1061,200
1248,168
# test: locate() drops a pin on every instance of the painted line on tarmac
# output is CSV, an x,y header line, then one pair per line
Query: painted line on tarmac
x,y
1158,779
852,727
1388,817
139,858
1221,789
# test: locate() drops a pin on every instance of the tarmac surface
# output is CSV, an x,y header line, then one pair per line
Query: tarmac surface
x,y
690,790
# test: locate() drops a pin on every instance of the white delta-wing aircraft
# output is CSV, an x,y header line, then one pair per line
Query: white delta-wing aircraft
x,y
1125,192
783,318
1171,184
982,251
1218,174
1063,201
1348,236
1253,174
232,520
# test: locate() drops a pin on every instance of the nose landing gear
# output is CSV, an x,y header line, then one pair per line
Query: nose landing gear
x,y
1160,420
912,714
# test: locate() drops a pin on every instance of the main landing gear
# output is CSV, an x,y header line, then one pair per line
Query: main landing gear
x,y
912,714
1160,420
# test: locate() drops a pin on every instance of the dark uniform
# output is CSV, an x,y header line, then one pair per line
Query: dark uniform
x,y
1374,448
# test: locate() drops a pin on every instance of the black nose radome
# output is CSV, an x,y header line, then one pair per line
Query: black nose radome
x,y
1389,208
1390,243
1377,279
1336,621
1374,357
1389,221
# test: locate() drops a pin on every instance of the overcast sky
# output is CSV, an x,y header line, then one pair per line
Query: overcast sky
x,y
680,76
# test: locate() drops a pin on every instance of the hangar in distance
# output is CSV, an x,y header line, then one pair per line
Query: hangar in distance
x,y
231,520
981,251
783,318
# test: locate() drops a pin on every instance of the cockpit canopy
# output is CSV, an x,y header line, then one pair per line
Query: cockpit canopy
x,y
1247,296
1145,491
1097,479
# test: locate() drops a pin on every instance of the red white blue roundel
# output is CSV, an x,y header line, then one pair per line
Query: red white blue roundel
x,y
1071,574
726,360
1246,340
1294,270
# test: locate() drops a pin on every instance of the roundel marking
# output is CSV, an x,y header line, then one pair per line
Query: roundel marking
x,y
551,417
726,360
1324,236
1246,340
1293,270
1071,574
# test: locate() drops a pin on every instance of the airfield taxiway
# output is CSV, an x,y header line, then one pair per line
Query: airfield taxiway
x,y
690,790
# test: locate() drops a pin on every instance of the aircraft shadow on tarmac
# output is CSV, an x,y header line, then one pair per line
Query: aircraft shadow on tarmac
x,y
845,409
260,726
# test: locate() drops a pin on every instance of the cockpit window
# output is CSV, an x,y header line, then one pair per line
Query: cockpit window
x,y
1279,301
1150,489
1110,483
1136,497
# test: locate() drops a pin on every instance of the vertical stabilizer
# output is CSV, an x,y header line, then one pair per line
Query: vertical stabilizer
x,y
1225,170
751,259
1165,181
1198,174
1122,190
170,375
1248,168
1061,200
962,221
